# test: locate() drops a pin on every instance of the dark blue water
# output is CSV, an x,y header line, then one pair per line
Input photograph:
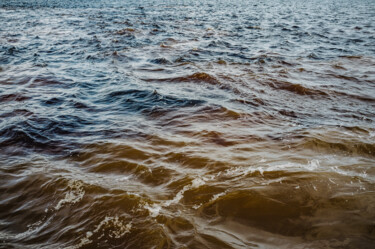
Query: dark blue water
x,y
187,124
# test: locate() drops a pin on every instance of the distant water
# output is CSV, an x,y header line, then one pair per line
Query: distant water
x,y
187,124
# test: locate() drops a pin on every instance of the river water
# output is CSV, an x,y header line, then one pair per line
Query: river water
x,y
187,124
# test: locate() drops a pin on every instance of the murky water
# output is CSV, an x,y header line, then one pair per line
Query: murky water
x,y
187,124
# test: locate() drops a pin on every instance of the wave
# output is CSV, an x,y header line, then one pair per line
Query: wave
x,y
295,88
199,77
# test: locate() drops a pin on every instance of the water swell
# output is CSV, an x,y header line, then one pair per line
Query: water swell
x,y
145,101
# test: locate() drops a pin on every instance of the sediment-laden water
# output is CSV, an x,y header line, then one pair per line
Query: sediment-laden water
x,y
187,124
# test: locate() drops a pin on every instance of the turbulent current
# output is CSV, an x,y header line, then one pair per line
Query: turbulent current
x,y
187,124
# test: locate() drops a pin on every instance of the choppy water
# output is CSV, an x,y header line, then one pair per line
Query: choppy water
x,y
187,124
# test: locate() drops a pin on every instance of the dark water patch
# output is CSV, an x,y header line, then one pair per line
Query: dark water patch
x,y
149,101
44,135
17,112
17,140
81,105
13,97
53,102
265,212
46,81
162,61
301,213
291,114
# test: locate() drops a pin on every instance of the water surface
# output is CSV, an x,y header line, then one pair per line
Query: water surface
x,y
187,124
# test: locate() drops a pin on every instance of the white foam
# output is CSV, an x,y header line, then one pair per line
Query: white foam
x,y
217,196
363,174
74,195
197,206
84,241
242,171
313,165
119,229
33,228
214,198
155,208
